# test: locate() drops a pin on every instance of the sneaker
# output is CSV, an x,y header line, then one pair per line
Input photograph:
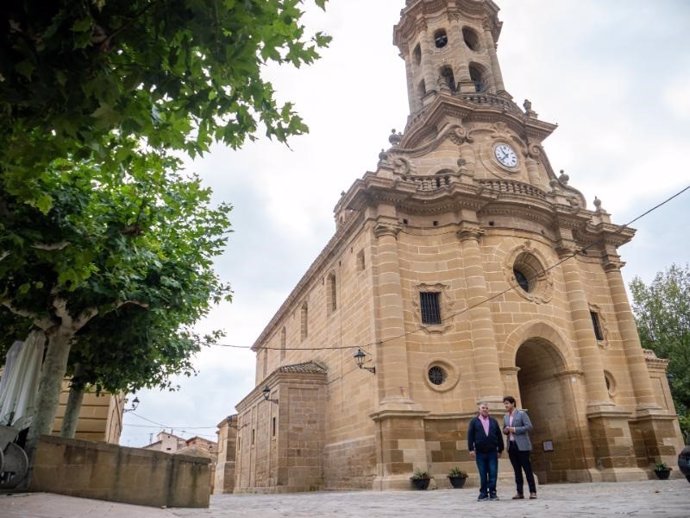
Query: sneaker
x,y
493,497
519,497
482,498
533,496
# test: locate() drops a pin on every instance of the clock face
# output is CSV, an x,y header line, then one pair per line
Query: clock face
x,y
506,156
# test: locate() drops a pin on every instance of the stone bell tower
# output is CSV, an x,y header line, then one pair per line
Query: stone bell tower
x,y
465,269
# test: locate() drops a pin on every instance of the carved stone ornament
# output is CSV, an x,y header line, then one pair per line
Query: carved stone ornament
x,y
383,229
401,166
459,135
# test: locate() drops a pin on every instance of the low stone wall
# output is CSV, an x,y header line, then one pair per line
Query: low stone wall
x,y
109,472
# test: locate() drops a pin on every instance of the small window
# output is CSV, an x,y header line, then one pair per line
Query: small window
x,y
253,436
360,261
304,317
596,324
471,38
273,427
417,54
283,343
440,38
332,293
437,375
422,89
430,307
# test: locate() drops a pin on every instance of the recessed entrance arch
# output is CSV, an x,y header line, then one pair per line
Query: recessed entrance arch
x,y
545,391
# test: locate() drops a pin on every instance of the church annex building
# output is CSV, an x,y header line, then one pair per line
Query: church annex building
x,y
465,269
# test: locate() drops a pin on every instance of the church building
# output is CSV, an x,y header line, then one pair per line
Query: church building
x,y
463,269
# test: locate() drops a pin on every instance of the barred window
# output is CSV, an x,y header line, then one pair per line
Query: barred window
x,y
430,306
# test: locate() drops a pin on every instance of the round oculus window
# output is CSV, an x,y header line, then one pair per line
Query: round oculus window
x,y
437,375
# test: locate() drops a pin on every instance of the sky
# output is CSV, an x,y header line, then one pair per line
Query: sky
x,y
614,75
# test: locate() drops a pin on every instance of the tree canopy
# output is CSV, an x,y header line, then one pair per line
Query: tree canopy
x,y
662,314
99,230
95,80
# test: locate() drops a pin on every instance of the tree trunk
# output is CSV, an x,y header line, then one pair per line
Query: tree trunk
x,y
52,374
73,409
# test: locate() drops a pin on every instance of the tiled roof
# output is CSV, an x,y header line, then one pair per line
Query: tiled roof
x,y
305,368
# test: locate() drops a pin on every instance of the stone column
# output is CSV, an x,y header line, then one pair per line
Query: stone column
x,y
457,40
587,347
428,71
642,386
484,349
495,66
391,357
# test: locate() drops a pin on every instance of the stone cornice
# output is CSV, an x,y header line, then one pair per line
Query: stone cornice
x,y
421,125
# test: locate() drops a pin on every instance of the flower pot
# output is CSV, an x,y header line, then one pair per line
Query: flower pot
x,y
457,482
420,483
662,474
684,462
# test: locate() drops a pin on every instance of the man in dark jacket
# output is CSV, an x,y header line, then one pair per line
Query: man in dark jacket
x,y
485,443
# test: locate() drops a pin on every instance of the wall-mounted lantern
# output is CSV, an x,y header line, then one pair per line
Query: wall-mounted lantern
x,y
267,395
359,357
135,404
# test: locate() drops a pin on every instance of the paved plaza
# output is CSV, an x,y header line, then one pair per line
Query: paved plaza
x,y
655,498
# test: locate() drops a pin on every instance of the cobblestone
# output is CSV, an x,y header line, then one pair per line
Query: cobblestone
x,y
652,498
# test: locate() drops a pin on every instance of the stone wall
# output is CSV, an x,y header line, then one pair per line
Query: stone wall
x,y
131,475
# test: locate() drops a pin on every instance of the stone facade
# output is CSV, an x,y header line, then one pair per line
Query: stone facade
x,y
465,269
136,476
100,418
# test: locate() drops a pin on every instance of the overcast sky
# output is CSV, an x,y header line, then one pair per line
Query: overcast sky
x,y
614,75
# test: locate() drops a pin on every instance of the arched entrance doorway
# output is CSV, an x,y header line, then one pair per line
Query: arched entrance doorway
x,y
547,395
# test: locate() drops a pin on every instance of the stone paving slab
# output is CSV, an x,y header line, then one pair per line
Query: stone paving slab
x,y
654,498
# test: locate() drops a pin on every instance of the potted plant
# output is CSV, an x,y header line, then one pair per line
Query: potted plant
x,y
662,470
457,477
420,479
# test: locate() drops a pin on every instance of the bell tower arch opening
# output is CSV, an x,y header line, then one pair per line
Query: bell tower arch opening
x,y
547,395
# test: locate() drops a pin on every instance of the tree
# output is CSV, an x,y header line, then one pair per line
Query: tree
x,y
94,80
147,242
129,349
96,97
662,314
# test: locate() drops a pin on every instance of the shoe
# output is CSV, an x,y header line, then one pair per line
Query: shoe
x,y
519,497
533,496
493,497
482,498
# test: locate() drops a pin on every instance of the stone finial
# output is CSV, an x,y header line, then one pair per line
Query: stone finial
x,y
383,156
528,109
395,137
563,178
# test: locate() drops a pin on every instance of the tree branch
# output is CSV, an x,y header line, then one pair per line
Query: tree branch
x,y
40,322
50,247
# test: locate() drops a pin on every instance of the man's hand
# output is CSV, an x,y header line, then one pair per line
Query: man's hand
x,y
472,453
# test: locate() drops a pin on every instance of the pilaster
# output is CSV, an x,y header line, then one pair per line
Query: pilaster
x,y
486,365
391,366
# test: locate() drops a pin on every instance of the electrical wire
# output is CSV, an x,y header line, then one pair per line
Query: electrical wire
x,y
484,301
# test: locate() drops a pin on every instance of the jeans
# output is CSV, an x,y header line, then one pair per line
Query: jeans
x,y
487,464
520,461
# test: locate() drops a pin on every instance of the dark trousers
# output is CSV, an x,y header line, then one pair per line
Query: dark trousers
x,y
520,461
487,465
